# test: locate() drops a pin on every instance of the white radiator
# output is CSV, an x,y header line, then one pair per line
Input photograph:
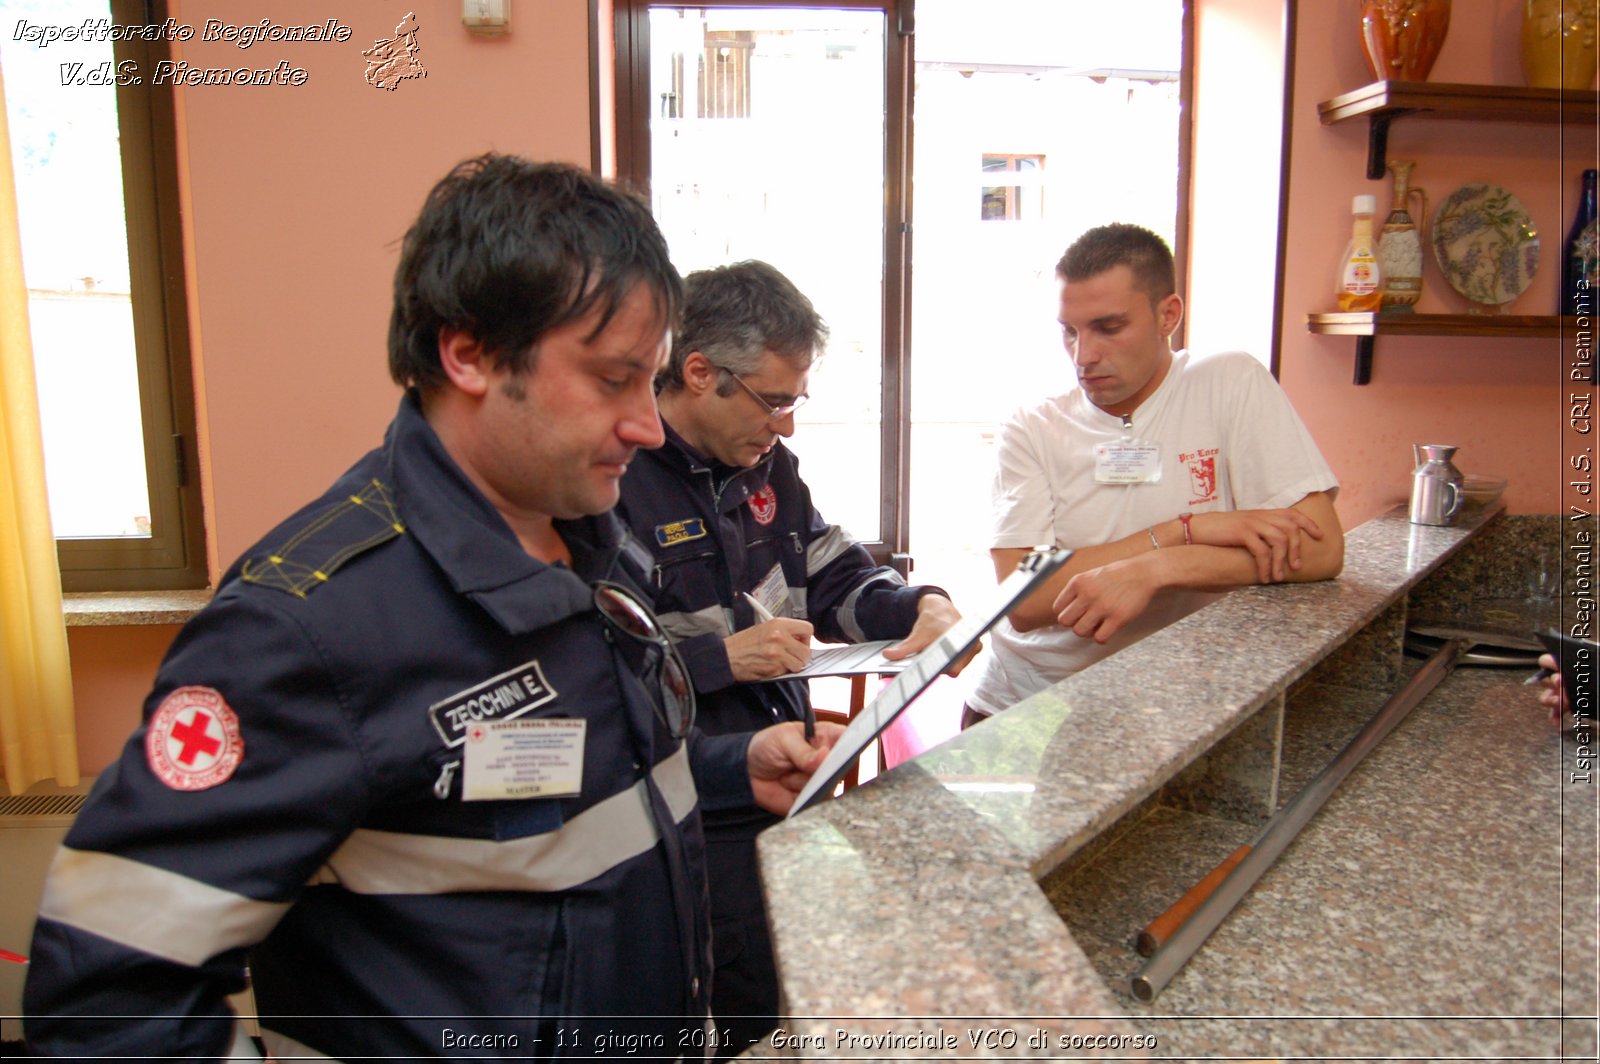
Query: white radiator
x,y
31,827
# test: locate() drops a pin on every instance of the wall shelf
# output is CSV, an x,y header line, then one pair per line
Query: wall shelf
x,y
1384,101
1380,103
1367,326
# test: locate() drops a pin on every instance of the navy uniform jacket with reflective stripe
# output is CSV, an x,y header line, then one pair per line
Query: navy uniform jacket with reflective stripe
x,y
716,532
328,857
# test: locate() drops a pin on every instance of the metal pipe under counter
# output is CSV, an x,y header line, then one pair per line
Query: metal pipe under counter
x,y
1444,891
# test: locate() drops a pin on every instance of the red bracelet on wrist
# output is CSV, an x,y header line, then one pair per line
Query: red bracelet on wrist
x,y
1188,535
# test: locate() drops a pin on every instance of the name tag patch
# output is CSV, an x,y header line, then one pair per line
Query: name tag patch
x,y
773,592
540,758
675,532
1127,462
503,697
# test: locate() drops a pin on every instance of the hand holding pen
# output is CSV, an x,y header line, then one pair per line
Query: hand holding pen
x,y
774,646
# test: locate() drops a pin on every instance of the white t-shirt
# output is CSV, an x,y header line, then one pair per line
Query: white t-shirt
x,y
1228,440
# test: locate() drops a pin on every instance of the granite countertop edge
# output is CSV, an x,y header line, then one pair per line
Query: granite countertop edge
x,y
1008,801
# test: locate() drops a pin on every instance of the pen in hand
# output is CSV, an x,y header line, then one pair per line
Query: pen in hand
x,y
763,615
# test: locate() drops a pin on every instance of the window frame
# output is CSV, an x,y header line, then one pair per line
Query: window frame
x,y
173,556
631,27
628,100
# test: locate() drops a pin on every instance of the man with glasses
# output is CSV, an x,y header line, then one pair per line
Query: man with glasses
x,y
736,540
422,762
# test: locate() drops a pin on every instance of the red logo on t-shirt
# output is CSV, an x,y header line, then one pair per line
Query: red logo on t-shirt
x,y
764,505
193,742
1203,477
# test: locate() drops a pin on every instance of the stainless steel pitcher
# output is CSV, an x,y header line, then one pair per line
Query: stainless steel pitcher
x,y
1436,494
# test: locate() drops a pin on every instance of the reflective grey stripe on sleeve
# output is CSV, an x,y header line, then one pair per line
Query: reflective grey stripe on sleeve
x,y
637,552
846,612
713,620
149,909
826,547
593,842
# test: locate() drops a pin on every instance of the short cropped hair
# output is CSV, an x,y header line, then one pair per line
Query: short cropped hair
x,y
735,314
1121,244
507,250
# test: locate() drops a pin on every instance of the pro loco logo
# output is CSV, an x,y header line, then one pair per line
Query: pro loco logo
x,y
1202,466
764,505
193,742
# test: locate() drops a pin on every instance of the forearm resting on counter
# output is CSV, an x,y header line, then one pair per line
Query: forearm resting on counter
x,y
1231,549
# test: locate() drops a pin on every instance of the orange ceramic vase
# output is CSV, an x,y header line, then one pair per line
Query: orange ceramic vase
x,y
1558,43
1402,38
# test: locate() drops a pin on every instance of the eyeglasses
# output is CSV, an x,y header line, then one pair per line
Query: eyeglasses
x,y
774,413
672,692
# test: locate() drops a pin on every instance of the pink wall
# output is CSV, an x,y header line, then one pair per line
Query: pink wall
x,y
1500,401
298,196
111,672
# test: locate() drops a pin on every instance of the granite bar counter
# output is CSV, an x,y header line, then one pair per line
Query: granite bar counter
x,y
980,900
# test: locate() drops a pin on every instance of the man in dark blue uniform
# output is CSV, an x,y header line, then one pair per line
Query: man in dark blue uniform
x,y
730,523
425,761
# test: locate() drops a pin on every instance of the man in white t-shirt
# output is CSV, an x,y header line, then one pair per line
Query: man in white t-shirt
x,y
1172,477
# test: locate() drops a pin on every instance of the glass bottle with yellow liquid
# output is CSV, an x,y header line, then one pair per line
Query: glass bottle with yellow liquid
x,y
1360,277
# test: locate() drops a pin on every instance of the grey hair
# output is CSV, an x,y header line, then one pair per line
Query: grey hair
x,y
734,315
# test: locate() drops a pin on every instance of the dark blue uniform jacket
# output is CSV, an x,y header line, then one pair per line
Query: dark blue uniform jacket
x,y
717,531
381,914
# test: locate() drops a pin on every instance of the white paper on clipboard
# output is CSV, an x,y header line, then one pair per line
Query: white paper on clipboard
x,y
849,660
921,671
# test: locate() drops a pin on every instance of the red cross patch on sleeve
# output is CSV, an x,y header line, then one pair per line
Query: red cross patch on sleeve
x,y
194,741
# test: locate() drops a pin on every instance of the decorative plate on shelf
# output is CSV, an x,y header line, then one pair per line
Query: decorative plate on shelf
x,y
1485,243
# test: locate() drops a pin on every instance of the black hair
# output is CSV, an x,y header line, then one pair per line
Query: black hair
x,y
1121,244
508,249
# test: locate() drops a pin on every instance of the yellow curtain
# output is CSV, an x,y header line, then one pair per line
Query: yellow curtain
x,y
37,730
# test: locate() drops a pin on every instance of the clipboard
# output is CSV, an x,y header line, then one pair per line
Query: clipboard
x,y
922,670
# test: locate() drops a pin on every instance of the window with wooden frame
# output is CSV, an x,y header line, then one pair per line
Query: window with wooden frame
x,y
94,150
780,133
971,308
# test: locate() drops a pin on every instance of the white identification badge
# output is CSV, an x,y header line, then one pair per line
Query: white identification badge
x,y
540,758
773,593
1127,462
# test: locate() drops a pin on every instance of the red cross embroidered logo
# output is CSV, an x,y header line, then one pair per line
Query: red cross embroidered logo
x,y
193,741
764,505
